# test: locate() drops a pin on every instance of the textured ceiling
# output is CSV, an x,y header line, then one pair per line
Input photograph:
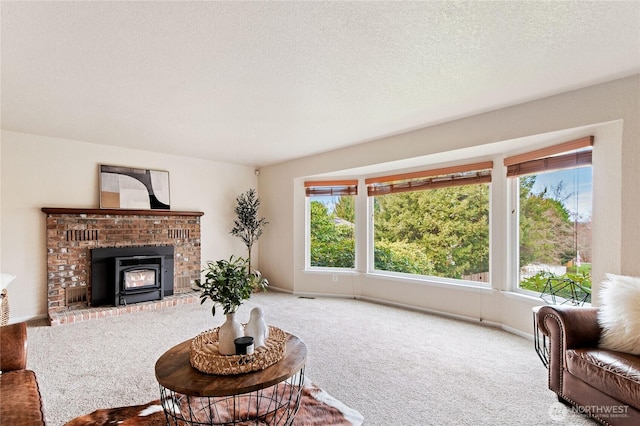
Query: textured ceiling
x,y
262,82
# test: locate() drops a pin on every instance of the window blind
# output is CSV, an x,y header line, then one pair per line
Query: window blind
x,y
466,174
333,188
551,158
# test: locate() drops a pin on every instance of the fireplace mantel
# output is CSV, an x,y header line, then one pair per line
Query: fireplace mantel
x,y
119,212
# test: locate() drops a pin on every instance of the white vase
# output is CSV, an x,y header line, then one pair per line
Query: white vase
x,y
257,328
228,332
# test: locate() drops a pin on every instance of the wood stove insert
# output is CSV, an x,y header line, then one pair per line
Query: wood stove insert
x,y
125,275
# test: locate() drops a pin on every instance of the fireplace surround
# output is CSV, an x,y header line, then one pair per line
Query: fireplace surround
x,y
72,235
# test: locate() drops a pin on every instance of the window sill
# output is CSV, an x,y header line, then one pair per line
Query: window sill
x,y
524,297
331,271
433,282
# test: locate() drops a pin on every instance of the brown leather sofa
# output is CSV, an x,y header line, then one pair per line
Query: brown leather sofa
x,y
20,402
601,383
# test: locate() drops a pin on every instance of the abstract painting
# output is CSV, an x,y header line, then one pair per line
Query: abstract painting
x,y
130,188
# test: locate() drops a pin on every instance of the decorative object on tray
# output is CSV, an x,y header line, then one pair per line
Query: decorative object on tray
x,y
244,345
257,328
206,358
228,333
228,283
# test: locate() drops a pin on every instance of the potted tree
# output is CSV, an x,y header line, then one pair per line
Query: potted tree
x,y
247,226
228,283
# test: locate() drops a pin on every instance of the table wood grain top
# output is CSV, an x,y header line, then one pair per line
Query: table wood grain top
x,y
174,371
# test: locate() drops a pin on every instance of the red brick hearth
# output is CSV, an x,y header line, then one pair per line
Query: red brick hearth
x,y
73,233
85,314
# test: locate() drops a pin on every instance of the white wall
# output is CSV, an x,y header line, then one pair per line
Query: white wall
x,y
610,111
39,171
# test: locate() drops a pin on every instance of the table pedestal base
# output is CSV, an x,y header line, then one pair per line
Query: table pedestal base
x,y
274,405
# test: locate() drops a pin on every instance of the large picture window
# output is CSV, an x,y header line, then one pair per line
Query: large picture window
x,y
554,187
434,225
433,222
331,207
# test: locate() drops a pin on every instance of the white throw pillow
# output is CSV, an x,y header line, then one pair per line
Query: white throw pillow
x,y
619,314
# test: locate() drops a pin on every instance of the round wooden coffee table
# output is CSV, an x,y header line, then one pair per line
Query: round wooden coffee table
x,y
270,396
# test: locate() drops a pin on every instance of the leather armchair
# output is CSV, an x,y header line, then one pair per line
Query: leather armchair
x,y
596,382
20,402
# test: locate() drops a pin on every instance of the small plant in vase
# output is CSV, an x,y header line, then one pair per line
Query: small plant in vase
x,y
227,283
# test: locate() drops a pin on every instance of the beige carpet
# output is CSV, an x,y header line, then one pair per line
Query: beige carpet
x,y
394,366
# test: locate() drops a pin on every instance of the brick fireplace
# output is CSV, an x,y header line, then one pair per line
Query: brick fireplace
x,y
72,234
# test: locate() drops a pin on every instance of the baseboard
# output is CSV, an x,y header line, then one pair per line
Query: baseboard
x,y
14,320
410,307
279,290
517,332
312,294
318,295
431,311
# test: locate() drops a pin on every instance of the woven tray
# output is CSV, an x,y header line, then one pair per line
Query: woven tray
x,y
206,358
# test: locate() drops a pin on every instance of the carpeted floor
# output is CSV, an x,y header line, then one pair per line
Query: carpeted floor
x,y
394,366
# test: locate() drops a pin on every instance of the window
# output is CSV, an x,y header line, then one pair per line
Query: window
x,y
433,222
554,196
331,207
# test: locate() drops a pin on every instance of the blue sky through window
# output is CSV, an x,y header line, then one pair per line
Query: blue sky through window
x,y
328,201
578,183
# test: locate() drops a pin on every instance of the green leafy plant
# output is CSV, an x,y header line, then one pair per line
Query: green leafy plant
x,y
247,226
567,286
228,283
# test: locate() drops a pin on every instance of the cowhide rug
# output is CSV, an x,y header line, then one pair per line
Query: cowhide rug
x,y
317,408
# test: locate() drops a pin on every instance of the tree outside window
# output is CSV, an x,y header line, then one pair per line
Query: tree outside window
x,y
436,222
440,232
332,222
554,187
555,228
332,235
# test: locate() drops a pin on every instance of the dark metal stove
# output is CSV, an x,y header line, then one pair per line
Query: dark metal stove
x,y
126,275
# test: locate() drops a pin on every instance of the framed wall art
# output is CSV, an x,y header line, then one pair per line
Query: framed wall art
x,y
131,188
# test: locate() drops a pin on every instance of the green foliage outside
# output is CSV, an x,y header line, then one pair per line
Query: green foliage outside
x,y
445,232
441,232
576,280
345,209
332,237
546,230
547,235
404,257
